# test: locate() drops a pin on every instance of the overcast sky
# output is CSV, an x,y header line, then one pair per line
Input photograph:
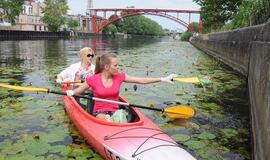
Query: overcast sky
x,y
79,7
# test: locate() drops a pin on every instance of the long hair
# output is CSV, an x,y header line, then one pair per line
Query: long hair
x,y
102,60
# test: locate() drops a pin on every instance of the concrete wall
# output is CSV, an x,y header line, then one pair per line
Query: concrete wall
x,y
247,50
235,54
259,94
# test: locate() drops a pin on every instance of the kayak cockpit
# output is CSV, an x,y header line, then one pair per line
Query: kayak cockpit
x,y
88,106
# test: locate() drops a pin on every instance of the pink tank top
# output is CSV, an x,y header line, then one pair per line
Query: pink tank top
x,y
100,91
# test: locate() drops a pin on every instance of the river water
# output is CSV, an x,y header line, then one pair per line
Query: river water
x,y
35,126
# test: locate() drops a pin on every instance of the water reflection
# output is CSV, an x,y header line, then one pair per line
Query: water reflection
x,y
21,53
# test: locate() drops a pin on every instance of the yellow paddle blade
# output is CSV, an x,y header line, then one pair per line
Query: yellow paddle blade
x,y
188,80
71,82
24,88
182,112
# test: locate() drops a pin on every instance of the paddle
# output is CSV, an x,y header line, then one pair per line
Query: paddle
x,y
188,80
174,112
185,80
71,82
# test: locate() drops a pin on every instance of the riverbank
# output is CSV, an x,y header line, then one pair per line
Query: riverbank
x,y
247,51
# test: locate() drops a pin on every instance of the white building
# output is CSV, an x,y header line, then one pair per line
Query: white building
x,y
29,19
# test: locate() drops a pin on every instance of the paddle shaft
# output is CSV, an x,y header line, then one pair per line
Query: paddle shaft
x,y
125,104
64,93
184,112
174,112
106,100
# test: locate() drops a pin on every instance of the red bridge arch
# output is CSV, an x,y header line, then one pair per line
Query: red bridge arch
x,y
103,22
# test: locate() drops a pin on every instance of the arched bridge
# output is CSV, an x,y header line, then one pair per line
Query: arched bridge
x,y
99,22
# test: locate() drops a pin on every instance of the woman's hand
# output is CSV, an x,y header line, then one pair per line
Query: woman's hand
x,y
59,80
70,93
168,79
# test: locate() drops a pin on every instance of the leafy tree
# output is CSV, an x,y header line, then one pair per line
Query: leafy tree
x,y
185,36
109,29
141,25
250,13
118,24
54,13
215,13
72,23
195,26
243,17
260,12
10,9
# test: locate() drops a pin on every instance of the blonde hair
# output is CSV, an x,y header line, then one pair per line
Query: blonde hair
x,y
102,60
84,51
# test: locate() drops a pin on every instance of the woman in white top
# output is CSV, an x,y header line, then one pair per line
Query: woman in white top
x,y
80,70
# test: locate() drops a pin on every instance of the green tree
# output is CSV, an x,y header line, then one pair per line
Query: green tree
x,y
72,23
185,36
195,26
260,11
109,29
118,24
10,9
215,13
141,25
54,13
244,15
251,12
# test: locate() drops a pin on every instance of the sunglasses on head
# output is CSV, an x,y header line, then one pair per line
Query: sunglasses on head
x,y
90,55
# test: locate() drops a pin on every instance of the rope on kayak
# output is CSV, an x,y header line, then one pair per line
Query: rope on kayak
x,y
114,136
152,137
126,130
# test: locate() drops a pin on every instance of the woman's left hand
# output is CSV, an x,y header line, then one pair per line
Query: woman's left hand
x,y
168,79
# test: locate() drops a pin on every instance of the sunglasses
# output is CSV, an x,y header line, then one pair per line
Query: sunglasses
x,y
90,55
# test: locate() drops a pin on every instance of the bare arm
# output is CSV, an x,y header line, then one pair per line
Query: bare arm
x,y
81,89
141,80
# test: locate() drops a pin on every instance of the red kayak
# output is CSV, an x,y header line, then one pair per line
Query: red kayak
x,y
139,139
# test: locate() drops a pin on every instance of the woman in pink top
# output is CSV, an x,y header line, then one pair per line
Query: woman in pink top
x,y
106,84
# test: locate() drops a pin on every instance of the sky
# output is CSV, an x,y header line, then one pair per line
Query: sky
x,y
79,7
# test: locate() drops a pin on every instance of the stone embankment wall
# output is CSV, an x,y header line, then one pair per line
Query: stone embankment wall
x,y
247,50
14,35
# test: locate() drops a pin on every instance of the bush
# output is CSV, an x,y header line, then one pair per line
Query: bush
x,y
185,36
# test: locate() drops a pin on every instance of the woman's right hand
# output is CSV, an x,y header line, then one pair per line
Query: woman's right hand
x,y
59,80
70,93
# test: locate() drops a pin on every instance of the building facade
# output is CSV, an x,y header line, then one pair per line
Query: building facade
x,y
30,18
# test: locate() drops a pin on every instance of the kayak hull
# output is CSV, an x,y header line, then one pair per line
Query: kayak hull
x,y
138,140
